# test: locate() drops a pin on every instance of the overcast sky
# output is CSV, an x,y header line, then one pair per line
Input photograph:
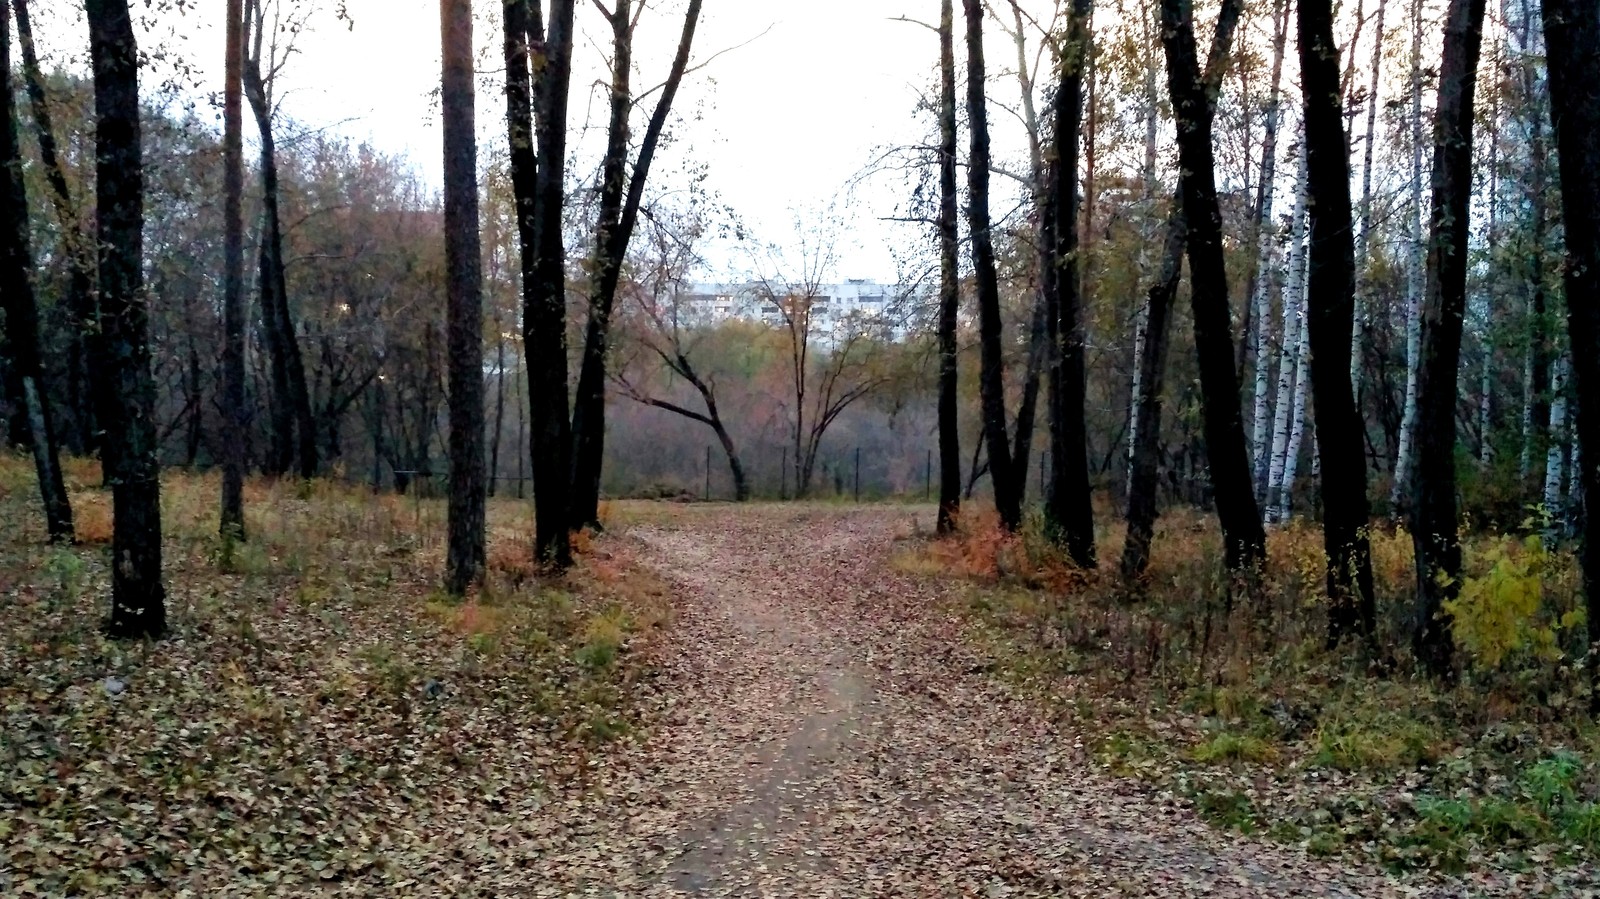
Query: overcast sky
x,y
803,96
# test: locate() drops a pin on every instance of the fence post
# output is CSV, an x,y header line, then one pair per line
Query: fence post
x,y
708,474
927,478
858,474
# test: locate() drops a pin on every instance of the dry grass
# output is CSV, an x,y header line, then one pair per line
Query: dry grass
x,y
1239,706
320,714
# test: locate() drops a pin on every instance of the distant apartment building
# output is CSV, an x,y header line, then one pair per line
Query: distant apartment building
x,y
857,305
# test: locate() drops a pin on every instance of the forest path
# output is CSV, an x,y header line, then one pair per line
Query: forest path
x,y
829,734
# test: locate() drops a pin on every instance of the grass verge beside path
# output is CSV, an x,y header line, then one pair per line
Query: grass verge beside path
x,y
1246,717
320,717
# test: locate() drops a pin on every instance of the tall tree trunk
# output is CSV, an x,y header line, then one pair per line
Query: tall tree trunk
x,y
1228,456
539,176
518,23
1555,463
233,374
1572,42
1537,395
499,407
1264,235
127,396
196,404
1297,417
1358,325
21,313
1487,364
76,247
1041,348
991,383
1147,202
949,279
1291,387
292,409
620,198
1416,271
464,564
1144,471
1152,361
1069,505
1330,310
1433,517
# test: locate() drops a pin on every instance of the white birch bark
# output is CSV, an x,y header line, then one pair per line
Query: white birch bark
x,y
1153,221
1297,418
1415,271
1293,325
1261,292
1555,466
1358,324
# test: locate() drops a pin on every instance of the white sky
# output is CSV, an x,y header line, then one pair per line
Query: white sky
x,y
782,123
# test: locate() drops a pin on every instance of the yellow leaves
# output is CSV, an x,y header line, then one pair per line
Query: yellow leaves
x,y
1502,611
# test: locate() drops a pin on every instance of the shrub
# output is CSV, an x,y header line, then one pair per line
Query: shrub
x,y
1501,612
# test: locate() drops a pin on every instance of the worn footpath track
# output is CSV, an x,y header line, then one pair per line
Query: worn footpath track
x,y
828,734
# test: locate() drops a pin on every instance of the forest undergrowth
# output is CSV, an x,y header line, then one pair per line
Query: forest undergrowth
x,y
1241,709
320,716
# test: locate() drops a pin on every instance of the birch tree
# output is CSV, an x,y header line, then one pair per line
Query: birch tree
x,y
1416,271
1291,377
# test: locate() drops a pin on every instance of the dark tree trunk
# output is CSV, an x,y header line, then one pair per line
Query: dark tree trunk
x,y
546,320
1007,499
618,216
196,409
518,22
82,365
464,564
294,430
1040,351
1433,513
1228,456
1146,462
233,409
949,280
22,315
1539,326
499,407
127,394
610,246
1068,505
1144,477
538,161
1330,315
1572,38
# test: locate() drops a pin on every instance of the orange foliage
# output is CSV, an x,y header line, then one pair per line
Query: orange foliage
x,y
91,517
512,557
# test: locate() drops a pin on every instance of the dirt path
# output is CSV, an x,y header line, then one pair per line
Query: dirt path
x,y
829,735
